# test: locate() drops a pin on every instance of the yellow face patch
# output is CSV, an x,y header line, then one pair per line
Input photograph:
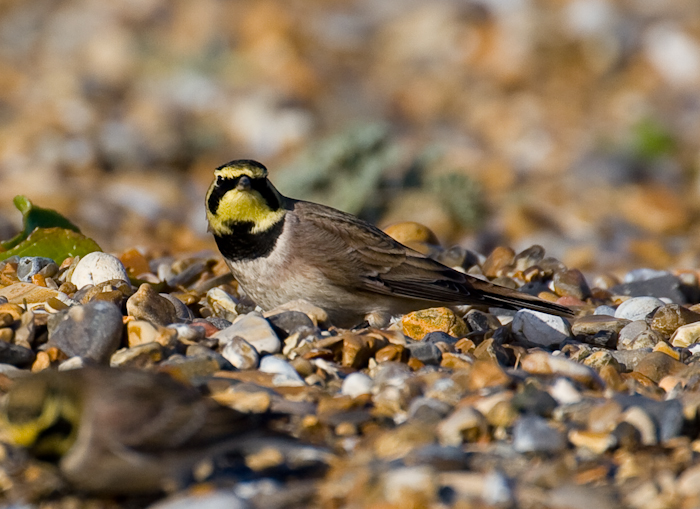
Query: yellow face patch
x,y
243,207
228,204
26,433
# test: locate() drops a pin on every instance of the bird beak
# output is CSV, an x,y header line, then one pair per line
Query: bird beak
x,y
243,183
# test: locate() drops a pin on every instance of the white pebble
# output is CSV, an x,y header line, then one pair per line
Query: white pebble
x,y
356,384
286,374
255,330
96,268
540,328
637,308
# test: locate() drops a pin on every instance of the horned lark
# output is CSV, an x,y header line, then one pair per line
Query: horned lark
x,y
280,249
115,431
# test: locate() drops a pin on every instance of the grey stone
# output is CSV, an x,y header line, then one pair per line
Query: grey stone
x,y
666,415
534,401
604,310
29,266
182,312
478,321
629,359
439,337
92,331
540,328
428,410
15,355
637,334
427,353
289,322
147,304
532,433
255,330
668,286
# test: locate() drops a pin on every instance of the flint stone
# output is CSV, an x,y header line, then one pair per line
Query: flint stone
x,y
92,331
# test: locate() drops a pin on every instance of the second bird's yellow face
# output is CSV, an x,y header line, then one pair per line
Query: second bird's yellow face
x,y
41,418
239,194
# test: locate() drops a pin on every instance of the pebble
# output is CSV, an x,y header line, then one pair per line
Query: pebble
x,y
440,337
206,500
571,283
142,356
92,331
183,314
72,363
98,267
401,485
223,304
188,333
408,232
533,433
147,304
240,353
255,330
498,262
425,352
285,374
593,324
637,334
486,374
28,293
428,410
391,353
686,335
667,285
139,332
356,384
668,415
540,328
359,348
478,321
289,322
209,354
629,359
465,424
670,317
544,363
419,323
637,308
657,365
29,266
16,355
604,310
317,315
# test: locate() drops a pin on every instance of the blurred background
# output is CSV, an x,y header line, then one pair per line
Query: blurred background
x,y
574,124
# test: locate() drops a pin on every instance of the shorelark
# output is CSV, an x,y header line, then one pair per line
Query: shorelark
x,y
113,431
280,249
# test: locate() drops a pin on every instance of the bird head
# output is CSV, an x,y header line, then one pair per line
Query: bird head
x,y
242,194
41,416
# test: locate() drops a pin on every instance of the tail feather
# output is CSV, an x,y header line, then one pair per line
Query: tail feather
x,y
500,296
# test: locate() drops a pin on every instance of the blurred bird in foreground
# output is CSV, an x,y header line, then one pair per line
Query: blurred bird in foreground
x,y
115,431
280,249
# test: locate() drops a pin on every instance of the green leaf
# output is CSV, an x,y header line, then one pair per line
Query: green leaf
x,y
36,217
55,243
